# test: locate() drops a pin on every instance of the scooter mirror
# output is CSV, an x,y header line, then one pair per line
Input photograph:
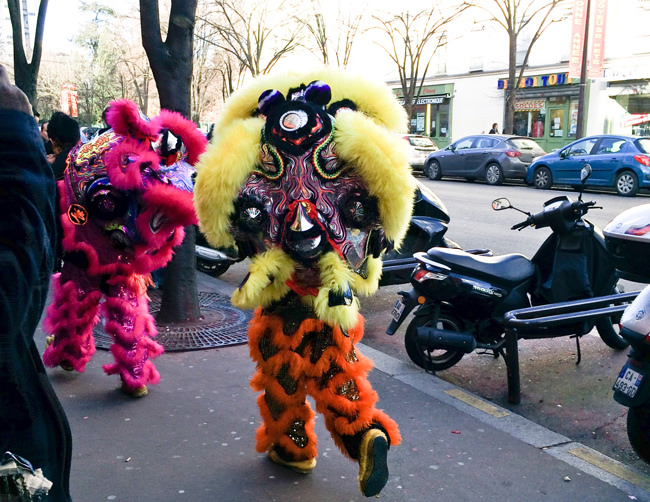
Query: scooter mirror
x,y
500,204
585,172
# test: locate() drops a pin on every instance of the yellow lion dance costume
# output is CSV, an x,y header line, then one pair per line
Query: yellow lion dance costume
x,y
307,176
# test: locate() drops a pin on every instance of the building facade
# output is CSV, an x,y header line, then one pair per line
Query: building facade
x,y
468,96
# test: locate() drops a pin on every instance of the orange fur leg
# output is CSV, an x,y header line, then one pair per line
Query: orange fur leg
x,y
288,420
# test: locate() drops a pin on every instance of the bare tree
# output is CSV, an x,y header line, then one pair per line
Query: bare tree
x,y
517,17
171,63
26,73
339,41
244,34
414,39
207,67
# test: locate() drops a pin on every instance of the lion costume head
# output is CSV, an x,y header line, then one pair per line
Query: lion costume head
x,y
308,176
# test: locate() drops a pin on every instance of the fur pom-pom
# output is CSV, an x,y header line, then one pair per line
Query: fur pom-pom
x,y
125,162
266,282
193,139
125,119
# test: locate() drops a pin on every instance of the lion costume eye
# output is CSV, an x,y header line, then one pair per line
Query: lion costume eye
x,y
250,214
360,211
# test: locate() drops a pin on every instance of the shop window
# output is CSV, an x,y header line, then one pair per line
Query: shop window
x,y
529,123
573,113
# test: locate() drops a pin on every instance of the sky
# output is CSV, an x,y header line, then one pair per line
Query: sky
x,y
62,20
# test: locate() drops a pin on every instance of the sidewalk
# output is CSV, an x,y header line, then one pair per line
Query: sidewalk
x,y
193,438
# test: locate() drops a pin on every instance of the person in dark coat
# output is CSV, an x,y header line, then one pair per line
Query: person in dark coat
x,y
46,139
64,133
495,129
33,424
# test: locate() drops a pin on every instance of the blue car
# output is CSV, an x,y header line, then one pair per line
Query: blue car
x,y
619,162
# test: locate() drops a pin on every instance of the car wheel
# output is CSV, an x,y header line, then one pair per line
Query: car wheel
x,y
542,178
626,184
493,174
433,171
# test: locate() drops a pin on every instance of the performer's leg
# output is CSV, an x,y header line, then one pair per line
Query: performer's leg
x,y
287,431
345,397
70,319
131,325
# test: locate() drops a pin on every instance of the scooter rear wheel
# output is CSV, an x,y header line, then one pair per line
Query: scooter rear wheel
x,y
609,327
609,334
638,419
436,360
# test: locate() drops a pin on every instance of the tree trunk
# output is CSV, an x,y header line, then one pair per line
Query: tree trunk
x,y
171,65
26,74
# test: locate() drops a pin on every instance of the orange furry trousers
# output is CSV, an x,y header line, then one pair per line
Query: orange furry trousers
x,y
298,355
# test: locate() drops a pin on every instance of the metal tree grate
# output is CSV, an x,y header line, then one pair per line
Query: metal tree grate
x,y
222,325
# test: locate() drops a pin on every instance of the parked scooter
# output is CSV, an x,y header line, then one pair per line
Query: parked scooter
x,y
628,238
462,297
427,229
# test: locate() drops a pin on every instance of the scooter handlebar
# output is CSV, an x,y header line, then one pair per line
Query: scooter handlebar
x,y
569,212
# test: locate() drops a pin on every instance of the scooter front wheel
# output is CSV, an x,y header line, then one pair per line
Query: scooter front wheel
x,y
638,433
435,360
215,269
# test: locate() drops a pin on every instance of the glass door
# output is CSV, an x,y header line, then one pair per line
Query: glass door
x,y
558,131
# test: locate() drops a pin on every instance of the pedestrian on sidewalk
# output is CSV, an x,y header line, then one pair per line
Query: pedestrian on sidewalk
x,y
33,425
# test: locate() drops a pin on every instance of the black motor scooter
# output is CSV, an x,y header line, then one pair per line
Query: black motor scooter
x,y
427,228
462,297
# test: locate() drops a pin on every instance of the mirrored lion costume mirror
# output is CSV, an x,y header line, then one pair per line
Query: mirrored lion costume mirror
x,y
307,176
124,200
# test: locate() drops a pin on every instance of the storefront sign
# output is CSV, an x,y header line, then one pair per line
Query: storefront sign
x,y
528,105
433,100
596,62
578,24
538,81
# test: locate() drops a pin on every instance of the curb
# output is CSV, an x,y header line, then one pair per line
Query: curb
x,y
579,456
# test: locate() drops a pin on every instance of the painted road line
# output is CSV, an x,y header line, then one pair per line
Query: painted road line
x,y
477,403
611,466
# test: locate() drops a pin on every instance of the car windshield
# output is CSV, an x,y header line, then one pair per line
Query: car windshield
x,y
524,144
421,141
643,144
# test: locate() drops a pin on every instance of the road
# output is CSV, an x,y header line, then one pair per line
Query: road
x,y
570,399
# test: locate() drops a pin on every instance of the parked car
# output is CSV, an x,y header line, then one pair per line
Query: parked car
x,y
621,162
419,147
492,157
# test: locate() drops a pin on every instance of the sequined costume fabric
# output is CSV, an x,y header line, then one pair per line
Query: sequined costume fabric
x,y
124,201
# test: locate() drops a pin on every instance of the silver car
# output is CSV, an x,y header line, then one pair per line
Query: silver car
x,y
492,157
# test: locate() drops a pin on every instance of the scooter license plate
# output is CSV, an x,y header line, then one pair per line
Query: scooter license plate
x,y
396,313
628,382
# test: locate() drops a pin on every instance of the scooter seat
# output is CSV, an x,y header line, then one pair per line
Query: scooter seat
x,y
511,267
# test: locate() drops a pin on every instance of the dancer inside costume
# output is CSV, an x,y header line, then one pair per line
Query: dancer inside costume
x,y
308,177
125,198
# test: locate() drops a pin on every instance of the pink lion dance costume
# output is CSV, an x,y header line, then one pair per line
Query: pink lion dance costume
x,y
124,199
308,176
